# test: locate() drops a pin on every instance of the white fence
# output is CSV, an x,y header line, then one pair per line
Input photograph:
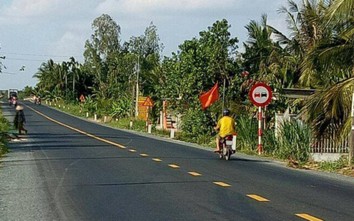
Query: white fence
x,y
328,145
325,144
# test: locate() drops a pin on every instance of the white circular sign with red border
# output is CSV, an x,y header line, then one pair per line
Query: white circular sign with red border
x,y
260,94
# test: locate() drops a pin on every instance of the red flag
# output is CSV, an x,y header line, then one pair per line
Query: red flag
x,y
208,98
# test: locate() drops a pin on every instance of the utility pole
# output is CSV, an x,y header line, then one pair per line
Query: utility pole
x,y
137,90
223,96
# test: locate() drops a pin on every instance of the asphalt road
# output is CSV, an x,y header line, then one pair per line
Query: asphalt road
x,y
72,169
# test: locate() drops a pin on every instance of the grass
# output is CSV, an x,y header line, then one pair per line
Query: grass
x,y
4,128
333,166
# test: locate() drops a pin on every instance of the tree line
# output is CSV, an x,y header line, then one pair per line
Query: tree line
x,y
317,54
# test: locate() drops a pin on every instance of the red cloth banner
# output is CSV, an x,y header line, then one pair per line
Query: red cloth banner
x,y
208,98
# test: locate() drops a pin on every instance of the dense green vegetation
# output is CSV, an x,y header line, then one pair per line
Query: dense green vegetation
x,y
318,54
4,128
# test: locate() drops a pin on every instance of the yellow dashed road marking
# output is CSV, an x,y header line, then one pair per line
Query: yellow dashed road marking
x,y
194,174
174,166
80,131
132,150
144,155
258,198
308,217
156,159
222,184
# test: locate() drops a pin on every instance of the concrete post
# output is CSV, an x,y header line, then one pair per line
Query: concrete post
x,y
172,134
351,139
149,128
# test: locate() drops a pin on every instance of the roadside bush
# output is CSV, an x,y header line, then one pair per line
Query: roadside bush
x,y
121,108
104,107
4,128
90,105
270,143
247,128
197,127
294,142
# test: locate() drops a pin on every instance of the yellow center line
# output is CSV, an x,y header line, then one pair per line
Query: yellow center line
x,y
194,173
308,217
144,155
258,198
132,150
156,159
174,166
222,184
79,131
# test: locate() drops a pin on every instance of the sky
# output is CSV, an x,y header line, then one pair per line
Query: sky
x,y
34,31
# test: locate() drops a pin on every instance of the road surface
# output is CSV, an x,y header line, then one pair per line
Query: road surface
x,y
68,168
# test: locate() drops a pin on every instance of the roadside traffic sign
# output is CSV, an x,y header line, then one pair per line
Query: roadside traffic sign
x,y
148,102
260,94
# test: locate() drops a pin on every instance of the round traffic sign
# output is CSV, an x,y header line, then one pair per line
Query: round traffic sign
x,y
260,94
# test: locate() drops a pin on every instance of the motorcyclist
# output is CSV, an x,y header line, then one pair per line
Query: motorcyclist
x,y
39,100
225,126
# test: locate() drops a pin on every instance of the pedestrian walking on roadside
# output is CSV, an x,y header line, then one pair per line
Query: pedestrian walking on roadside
x,y
20,119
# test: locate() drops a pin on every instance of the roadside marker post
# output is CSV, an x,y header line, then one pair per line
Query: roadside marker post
x,y
149,128
172,134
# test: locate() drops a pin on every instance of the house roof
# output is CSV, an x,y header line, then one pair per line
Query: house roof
x,y
297,92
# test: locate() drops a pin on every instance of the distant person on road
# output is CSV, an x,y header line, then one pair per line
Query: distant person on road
x,y
14,101
20,119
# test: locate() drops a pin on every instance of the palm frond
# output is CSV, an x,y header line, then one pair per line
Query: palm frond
x,y
341,8
330,109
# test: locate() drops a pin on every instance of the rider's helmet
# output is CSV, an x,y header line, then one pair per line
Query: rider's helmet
x,y
226,112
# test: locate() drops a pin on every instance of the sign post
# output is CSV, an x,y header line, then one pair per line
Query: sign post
x,y
260,95
148,103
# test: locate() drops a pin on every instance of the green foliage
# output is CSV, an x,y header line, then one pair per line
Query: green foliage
x,y
294,142
90,105
104,107
26,92
4,128
317,54
270,142
121,108
335,165
197,126
138,125
247,128
200,63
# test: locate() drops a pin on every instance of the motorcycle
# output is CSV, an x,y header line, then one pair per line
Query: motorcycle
x,y
38,100
228,146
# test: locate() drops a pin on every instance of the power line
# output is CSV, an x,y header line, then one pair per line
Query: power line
x,y
40,55
4,72
23,59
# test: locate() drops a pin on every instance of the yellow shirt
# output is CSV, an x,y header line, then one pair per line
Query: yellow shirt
x,y
226,126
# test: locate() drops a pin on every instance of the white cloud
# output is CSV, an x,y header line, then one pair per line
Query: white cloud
x,y
70,44
34,11
61,27
21,10
163,6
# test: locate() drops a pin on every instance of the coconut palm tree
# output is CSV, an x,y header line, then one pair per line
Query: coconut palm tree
x,y
266,59
331,60
45,77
